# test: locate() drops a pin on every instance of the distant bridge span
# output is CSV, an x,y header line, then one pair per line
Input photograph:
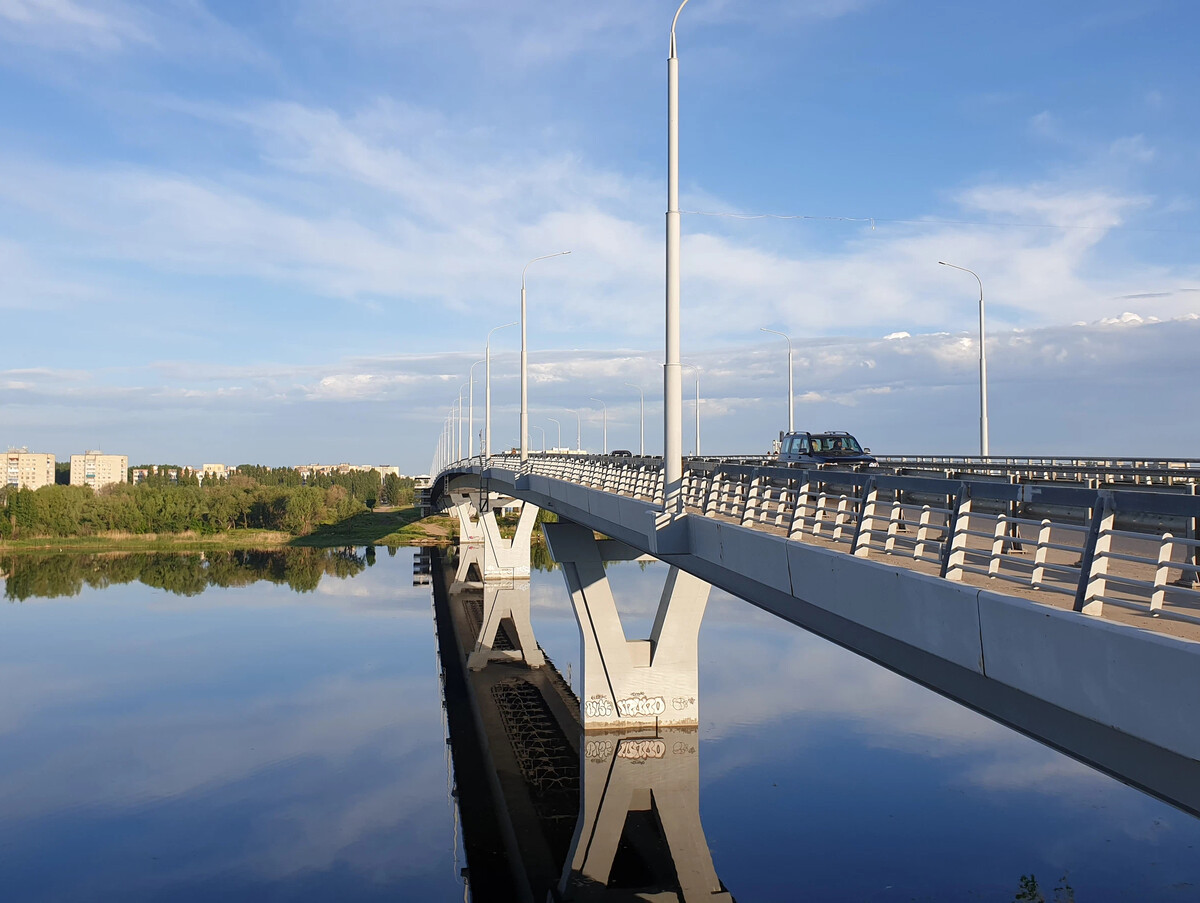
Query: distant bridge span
x,y
1067,612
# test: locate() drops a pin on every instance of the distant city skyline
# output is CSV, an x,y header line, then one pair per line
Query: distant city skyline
x,y
275,234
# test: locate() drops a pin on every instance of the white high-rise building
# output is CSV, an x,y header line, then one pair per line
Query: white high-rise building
x,y
28,470
97,469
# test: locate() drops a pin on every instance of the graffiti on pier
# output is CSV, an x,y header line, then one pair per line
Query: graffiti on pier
x,y
641,749
597,707
640,705
598,750
679,703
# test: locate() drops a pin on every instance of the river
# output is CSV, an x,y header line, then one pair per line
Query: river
x,y
269,726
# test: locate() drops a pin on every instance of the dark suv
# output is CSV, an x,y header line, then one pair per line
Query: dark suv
x,y
832,447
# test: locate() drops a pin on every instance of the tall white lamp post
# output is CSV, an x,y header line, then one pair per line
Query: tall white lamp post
x,y
697,369
603,405
471,411
578,429
791,403
642,395
559,425
543,432
487,391
524,358
461,389
672,385
983,418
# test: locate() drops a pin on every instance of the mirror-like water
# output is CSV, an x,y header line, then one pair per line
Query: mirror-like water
x,y
270,726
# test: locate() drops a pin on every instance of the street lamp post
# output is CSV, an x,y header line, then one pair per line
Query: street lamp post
x,y
791,403
697,369
460,420
487,391
578,430
471,411
524,358
543,432
602,404
559,425
642,395
983,417
672,385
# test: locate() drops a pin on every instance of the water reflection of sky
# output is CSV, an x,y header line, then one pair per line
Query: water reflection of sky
x,y
827,777
255,743
246,743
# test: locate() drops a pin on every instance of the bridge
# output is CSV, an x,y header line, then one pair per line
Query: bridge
x,y
1057,597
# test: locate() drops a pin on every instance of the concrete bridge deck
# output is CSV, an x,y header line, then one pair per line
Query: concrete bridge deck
x,y
1119,697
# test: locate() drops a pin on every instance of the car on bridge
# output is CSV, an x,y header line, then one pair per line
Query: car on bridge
x,y
834,447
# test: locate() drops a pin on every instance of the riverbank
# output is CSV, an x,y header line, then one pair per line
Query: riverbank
x,y
386,527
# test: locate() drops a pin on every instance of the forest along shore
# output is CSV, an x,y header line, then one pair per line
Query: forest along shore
x,y
257,507
383,526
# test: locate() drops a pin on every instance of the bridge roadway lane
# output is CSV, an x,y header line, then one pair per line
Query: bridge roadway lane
x,y
1122,699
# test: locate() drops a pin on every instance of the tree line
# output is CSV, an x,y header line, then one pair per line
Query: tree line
x,y
253,498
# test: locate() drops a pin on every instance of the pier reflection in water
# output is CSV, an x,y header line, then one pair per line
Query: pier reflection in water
x,y
597,816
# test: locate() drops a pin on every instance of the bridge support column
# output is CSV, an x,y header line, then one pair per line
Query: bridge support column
x,y
643,790
626,683
507,558
505,612
465,504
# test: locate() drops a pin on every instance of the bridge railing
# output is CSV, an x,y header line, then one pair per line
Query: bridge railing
x,y
1134,548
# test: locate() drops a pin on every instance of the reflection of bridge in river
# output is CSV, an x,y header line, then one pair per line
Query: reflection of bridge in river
x,y
549,814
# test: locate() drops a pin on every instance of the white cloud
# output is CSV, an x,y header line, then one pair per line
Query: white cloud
x,y
72,25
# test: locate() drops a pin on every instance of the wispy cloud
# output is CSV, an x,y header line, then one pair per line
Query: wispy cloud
x,y
72,25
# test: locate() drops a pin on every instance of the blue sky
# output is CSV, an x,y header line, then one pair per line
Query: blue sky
x,y
279,231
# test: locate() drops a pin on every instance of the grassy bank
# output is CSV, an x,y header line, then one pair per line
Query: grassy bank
x,y
393,527
382,527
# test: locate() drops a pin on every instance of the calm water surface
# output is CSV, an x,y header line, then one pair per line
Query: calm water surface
x,y
270,727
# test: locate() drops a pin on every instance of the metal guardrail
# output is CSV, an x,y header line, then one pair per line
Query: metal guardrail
x,y
1134,548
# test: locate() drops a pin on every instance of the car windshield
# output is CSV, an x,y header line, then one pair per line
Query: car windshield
x,y
836,445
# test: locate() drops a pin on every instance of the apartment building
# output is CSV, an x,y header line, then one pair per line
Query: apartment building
x,y
28,470
96,469
216,471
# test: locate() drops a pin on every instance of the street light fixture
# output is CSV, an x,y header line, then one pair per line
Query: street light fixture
x,y
578,429
543,432
593,398
642,394
524,358
487,391
559,425
791,403
672,384
983,417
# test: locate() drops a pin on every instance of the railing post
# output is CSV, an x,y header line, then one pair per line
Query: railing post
x,y
1093,566
1039,556
954,552
839,519
796,525
1014,512
1191,530
1160,573
999,536
860,547
711,495
751,500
